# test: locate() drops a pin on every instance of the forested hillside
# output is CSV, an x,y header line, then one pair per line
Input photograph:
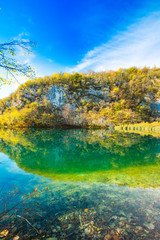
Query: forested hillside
x,y
85,100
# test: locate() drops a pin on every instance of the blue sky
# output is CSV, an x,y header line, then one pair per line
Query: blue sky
x,y
83,35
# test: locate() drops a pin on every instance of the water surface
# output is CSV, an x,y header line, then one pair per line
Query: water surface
x,y
83,184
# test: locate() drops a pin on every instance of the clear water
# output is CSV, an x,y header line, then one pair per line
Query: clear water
x,y
79,184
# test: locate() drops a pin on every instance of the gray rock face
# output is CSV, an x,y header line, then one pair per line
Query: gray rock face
x,y
56,96
63,97
156,106
96,95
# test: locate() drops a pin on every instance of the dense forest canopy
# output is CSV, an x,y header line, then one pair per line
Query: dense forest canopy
x,y
89,99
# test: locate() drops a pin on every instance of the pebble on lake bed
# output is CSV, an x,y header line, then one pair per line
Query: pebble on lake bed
x,y
16,238
4,233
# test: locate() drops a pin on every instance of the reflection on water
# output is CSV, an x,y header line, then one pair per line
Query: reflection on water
x,y
105,189
86,155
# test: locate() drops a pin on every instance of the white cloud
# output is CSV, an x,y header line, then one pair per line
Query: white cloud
x,y
138,45
21,56
21,35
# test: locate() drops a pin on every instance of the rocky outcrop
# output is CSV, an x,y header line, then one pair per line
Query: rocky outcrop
x,y
62,100
156,106
57,96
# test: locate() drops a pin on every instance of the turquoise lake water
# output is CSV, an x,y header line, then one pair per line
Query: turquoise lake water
x,y
79,184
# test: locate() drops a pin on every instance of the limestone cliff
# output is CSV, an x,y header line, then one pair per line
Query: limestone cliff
x,y
66,102
83,100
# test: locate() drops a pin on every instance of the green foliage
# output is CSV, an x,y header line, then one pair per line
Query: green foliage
x,y
32,115
98,99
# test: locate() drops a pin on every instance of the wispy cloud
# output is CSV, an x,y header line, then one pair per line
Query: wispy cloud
x,y
22,35
138,45
21,55
28,18
22,58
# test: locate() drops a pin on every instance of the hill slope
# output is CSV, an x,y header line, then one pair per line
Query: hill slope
x,y
83,100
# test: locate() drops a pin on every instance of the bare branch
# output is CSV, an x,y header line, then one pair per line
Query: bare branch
x,y
9,62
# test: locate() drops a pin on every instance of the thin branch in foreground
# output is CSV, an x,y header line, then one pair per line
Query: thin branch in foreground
x,y
29,223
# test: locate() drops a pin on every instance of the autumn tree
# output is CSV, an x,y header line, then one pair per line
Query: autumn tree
x,y
10,66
